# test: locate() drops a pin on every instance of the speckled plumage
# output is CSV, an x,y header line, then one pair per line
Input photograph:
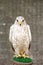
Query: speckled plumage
x,y
20,36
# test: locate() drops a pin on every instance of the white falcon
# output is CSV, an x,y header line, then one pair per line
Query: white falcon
x,y
20,37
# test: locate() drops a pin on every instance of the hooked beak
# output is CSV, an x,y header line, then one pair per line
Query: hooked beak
x,y
20,23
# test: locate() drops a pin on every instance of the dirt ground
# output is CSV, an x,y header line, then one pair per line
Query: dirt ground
x,y
32,10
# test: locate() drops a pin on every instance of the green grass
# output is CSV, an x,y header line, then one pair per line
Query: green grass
x,y
23,60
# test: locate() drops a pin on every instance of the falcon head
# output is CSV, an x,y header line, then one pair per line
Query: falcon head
x,y
20,21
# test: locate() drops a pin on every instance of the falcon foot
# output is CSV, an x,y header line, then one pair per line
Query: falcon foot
x,y
17,55
25,56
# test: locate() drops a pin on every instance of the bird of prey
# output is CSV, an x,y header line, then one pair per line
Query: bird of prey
x,y
20,37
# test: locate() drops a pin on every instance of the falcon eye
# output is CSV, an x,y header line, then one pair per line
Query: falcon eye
x,y
17,20
22,20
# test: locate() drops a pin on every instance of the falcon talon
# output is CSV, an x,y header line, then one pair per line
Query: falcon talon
x,y
19,55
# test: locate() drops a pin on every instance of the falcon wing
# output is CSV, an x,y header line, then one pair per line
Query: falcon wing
x,y
10,37
30,37
10,33
29,33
